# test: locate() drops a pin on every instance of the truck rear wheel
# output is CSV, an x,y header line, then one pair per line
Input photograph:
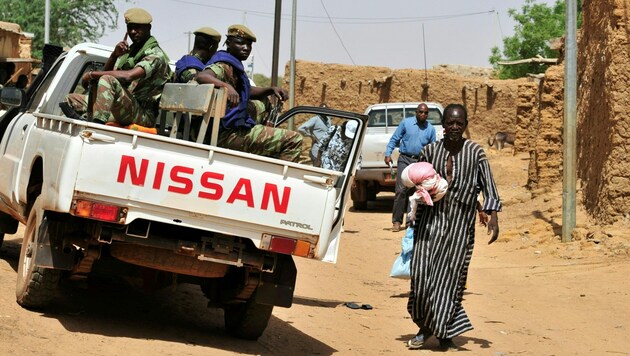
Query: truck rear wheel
x,y
247,320
36,286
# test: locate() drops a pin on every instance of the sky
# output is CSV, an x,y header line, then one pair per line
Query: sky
x,y
398,34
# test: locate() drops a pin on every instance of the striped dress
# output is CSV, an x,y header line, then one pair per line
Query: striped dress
x,y
444,240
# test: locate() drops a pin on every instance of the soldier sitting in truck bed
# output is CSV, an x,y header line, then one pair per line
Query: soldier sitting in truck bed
x,y
130,85
238,130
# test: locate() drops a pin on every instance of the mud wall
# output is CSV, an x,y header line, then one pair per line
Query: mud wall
x,y
603,127
490,103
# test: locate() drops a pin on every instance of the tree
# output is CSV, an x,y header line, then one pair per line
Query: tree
x,y
262,80
537,24
71,21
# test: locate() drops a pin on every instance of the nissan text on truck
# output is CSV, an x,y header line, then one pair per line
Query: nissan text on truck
x,y
193,212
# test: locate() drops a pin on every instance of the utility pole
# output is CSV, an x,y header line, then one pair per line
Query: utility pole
x,y
189,34
569,134
47,22
276,43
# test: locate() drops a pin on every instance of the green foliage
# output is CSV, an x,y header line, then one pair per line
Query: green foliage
x,y
263,81
71,21
537,24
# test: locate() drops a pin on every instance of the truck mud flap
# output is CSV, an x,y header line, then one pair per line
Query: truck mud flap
x,y
50,256
8,225
277,288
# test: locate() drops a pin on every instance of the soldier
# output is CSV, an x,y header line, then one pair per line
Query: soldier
x,y
130,85
238,130
206,44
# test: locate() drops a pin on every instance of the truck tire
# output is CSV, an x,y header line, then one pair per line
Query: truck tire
x,y
247,320
36,286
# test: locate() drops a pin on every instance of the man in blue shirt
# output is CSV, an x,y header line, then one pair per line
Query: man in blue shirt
x,y
412,134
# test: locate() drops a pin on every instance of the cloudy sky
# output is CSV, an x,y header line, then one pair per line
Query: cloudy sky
x,y
393,33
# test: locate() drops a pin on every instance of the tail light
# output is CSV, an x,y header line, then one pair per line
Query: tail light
x,y
287,246
99,211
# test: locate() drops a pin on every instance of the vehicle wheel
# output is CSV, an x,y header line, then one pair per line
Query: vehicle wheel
x,y
247,320
371,194
359,205
1,238
36,286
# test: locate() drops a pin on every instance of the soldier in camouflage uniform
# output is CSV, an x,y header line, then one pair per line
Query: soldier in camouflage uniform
x,y
130,85
238,130
205,46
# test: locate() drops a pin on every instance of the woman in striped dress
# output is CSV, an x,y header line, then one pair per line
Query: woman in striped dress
x,y
445,232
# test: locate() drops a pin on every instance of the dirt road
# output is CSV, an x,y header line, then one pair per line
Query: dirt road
x,y
528,294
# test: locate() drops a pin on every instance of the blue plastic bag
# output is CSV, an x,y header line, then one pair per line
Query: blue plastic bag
x,y
402,263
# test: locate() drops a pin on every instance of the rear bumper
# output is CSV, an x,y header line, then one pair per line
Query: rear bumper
x,y
380,175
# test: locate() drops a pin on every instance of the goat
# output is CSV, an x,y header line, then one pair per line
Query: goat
x,y
501,138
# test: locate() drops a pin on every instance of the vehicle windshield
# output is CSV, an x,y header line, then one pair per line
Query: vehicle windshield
x,y
383,117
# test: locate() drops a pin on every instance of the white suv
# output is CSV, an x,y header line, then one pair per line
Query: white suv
x,y
374,176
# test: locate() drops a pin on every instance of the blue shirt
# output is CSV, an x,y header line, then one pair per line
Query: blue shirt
x,y
409,137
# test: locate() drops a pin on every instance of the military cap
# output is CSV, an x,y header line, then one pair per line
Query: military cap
x,y
138,15
210,32
241,31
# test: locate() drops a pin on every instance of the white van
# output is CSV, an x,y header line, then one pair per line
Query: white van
x,y
383,119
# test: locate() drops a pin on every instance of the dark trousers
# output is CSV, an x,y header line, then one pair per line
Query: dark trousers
x,y
401,200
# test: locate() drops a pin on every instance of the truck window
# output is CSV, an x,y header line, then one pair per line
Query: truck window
x,y
341,144
91,66
43,87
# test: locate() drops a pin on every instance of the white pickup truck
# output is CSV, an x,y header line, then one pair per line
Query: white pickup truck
x,y
383,120
190,212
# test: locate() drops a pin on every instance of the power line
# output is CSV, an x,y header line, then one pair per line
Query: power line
x,y
337,33
345,20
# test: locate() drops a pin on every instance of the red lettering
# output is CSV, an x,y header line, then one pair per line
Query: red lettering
x,y
247,196
217,189
128,163
177,178
271,190
159,172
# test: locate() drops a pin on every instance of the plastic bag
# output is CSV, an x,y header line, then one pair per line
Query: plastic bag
x,y
402,264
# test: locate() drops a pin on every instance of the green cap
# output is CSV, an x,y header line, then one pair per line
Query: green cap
x,y
210,32
241,31
138,15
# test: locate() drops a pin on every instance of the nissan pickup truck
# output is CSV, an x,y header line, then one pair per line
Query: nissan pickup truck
x,y
375,176
186,210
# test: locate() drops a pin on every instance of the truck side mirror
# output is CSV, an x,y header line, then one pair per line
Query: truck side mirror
x,y
11,97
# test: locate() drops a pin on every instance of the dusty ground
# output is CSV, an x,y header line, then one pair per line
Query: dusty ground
x,y
528,294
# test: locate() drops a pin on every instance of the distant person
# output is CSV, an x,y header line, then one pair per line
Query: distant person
x,y
412,134
238,130
206,44
316,128
336,146
130,85
445,232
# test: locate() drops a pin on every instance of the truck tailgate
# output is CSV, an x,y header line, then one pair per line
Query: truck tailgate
x,y
203,187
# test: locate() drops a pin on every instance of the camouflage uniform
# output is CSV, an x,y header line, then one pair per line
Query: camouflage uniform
x,y
260,139
135,102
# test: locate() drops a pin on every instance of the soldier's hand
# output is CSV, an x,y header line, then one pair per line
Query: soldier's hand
x,y
280,93
121,48
233,97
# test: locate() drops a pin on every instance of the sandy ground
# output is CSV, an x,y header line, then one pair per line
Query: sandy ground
x,y
528,294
